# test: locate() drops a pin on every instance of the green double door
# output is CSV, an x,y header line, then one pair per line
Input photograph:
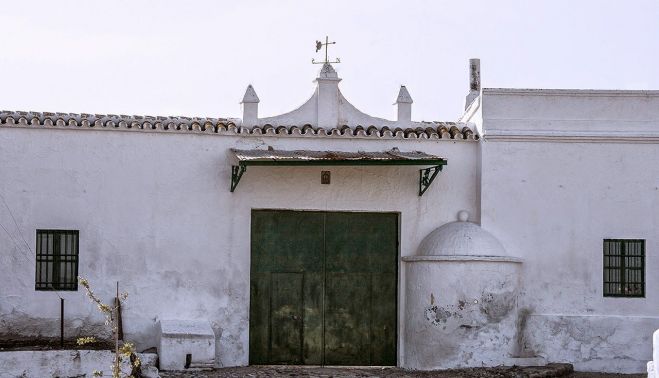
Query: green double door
x,y
323,288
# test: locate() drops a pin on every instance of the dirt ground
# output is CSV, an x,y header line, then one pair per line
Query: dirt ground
x,y
554,370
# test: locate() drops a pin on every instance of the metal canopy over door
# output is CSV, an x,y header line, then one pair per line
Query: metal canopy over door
x,y
323,288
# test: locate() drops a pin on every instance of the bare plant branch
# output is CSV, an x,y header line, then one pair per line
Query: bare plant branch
x,y
127,350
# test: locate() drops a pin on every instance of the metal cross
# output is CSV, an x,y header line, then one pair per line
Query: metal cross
x,y
319,45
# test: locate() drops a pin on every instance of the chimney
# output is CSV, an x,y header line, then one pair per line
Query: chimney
x,y
474,81
250,105
404,102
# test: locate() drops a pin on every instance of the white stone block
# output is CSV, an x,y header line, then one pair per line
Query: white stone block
x,y
180,338
655,356
68,363
651,370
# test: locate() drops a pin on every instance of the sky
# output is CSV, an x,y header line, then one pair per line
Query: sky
x,y
195,58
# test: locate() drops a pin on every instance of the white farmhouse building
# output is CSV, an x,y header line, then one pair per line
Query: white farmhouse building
x,y
526,232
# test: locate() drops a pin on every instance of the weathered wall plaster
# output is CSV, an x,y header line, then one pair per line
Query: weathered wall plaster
x,y
561,171
616,344
462,292
460,313
155,213
68,363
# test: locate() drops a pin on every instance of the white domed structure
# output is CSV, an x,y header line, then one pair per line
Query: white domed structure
x,y
461,238
461,299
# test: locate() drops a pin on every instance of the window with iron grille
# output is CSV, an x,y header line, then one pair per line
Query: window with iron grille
x,y
57,260
624,268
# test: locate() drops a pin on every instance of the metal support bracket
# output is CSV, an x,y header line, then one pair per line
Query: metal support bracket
x,y
236,173
426,177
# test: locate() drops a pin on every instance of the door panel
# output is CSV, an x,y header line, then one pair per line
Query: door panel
x,y
347,305
286,318
361,242
323,288
361,252
313,319
383,319
259,318
285,242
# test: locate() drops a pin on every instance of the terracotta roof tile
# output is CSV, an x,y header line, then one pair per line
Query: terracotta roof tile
x,y
205,125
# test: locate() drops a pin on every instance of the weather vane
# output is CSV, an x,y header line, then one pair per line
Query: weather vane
x,y
319,45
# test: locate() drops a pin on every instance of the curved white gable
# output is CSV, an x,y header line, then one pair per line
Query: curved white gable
x,y
328,108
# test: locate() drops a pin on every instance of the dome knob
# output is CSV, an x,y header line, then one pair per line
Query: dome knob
x,y
463,215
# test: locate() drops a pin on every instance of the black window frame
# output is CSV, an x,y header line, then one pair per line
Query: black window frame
x,y
619,265
47,260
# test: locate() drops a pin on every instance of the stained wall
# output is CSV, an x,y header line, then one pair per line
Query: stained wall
x,y
561,171
155,214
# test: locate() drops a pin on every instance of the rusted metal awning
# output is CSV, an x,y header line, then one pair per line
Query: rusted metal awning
x,y
272,157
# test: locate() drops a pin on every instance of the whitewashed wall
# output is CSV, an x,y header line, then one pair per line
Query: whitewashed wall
x,y
561,171
155,213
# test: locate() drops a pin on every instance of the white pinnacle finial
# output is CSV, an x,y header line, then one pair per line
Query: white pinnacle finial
x,y
328,72
404,96
250,105
404,102
250,96
327,97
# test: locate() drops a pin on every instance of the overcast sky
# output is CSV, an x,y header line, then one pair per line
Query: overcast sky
x,y
196,58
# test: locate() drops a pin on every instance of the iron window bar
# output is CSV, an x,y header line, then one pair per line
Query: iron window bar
x,y
624,268
57,260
